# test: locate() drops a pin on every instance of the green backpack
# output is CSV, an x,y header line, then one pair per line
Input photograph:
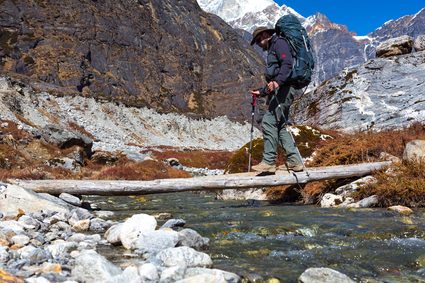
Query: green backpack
x,y
290,28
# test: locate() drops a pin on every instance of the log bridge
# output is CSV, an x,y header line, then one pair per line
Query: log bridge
x,y
218,182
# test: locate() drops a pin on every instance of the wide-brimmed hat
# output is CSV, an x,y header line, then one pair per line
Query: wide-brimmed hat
x,y
259,31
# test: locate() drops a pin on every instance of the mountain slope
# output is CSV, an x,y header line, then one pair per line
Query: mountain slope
x,y
164,54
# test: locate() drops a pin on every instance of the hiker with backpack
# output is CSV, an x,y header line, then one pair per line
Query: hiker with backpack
x,y
287,70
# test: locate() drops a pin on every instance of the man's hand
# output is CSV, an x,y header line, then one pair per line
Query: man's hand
x,y
272,86
255,92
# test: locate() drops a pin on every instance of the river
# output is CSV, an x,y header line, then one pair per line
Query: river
x,y
259,240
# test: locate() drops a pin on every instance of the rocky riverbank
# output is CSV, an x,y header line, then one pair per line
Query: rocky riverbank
x,y
62,246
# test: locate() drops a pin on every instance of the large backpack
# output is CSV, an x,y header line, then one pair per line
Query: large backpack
x,y
290,28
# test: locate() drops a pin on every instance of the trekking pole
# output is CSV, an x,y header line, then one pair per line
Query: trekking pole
x,y
287,129
253,104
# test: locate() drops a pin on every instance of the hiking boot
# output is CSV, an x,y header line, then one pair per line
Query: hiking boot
x,y
294,168
264,167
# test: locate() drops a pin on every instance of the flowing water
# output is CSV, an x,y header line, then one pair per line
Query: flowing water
x,y
259,240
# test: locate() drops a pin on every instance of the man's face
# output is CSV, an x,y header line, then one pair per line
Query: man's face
x,y
263,40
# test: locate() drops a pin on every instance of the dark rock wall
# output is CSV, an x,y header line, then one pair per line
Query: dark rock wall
x,y
165,54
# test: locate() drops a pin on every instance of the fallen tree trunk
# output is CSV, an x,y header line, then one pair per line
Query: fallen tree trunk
x,y
231,181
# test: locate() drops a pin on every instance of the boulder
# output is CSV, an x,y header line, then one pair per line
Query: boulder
x,y
227,276
366,202
148,272
205,278
155,241
172,223
331,200
92,267
419,44
70,199
403,210
192,239
113,234
65,138
132,227
104,157
65,163
395,46
173,273
352,187
414,151
183,256
14,198
323,275
129,275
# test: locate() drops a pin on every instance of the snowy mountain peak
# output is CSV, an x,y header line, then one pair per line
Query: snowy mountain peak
x,y
320,22
247,14
232,9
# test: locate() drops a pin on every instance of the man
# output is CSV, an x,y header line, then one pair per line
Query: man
x,y
279,66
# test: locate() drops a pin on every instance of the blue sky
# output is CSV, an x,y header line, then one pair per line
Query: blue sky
x,y
361,16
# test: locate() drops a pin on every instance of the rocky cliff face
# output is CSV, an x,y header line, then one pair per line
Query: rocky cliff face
x,y
380,94
165,54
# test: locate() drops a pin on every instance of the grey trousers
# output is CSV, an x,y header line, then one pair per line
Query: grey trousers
x,y
274,128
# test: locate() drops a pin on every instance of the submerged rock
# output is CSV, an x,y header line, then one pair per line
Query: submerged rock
x,y
192,239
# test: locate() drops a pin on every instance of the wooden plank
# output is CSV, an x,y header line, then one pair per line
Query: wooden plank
x,y
230,181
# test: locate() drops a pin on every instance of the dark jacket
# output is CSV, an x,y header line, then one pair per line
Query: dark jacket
x,y
279,62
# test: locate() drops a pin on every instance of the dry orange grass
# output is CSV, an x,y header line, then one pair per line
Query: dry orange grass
x,y
406,186
365,147
146,170
196,158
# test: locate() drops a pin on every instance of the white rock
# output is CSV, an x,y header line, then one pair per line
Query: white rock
x,y
4,255
366,202
134,226
12,225
204,278
331,200
419,44
323,275
60,248
173,273
415,151
154,241
192,239
129,275
352,187
37,280
112,235
228,276
148,272
183,256
91,267
70,199
20,240
15,197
